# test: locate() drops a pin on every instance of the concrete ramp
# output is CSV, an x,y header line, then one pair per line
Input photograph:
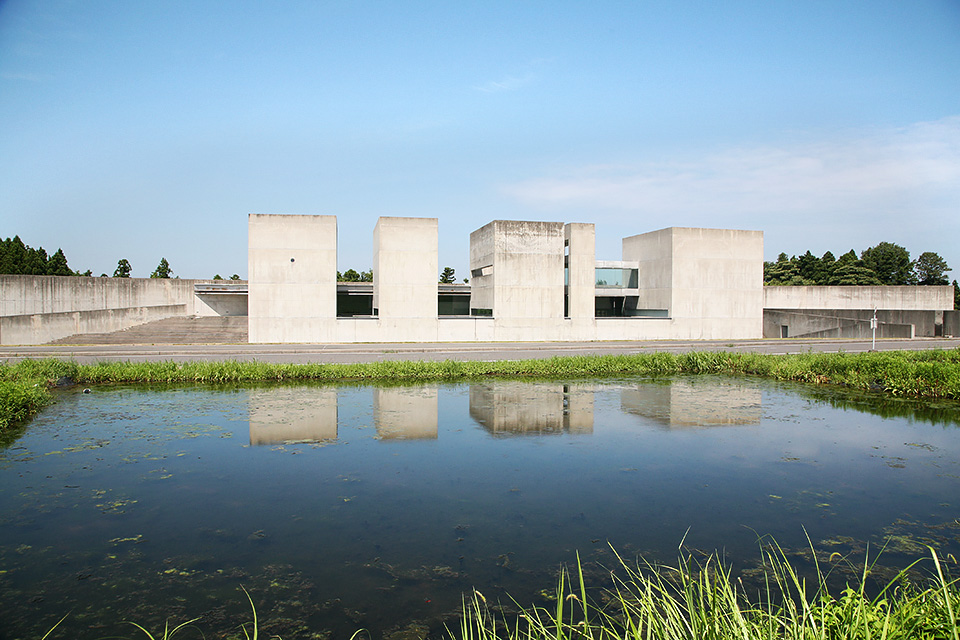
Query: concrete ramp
x,y
183,330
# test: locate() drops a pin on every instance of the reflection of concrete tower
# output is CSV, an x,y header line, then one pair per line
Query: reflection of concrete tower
x,y
689,403
405,412
292,414
531,408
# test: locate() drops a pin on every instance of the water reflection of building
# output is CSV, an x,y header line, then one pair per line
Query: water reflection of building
x,y
689,403
281,415
405,412
532,408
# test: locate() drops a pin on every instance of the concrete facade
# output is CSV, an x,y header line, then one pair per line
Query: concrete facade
x,y
293,278
405,268
708,281
529,281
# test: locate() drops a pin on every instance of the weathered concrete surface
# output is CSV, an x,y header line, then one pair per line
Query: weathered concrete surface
x,y
851,323
951,323
710,281
38,309
901,298
517,271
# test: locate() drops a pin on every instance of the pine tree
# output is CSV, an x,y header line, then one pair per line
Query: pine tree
x,y
163,270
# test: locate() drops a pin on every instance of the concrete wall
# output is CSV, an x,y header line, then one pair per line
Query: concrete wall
x,y
405,268
523,265
903,298
848,323
710,281
581,258
293,278
38,309
951,323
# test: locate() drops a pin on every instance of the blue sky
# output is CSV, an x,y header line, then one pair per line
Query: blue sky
x,y
143,130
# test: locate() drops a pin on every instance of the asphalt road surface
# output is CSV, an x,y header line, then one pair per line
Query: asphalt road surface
x,y
353,353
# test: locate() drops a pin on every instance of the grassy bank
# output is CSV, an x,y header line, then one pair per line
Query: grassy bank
x,y
926,374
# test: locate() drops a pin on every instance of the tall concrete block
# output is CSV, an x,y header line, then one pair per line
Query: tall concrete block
x,y
292,262
711,277
580,240
405,268
517,269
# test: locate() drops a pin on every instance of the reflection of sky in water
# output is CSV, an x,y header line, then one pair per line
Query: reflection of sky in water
x,y
387,503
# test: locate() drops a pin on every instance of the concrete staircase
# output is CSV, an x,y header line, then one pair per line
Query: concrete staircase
x,y
184,330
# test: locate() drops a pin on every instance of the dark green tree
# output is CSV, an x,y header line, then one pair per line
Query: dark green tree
x,y
448,276
163,270
123,269
853,275
37,263
785,271
14,256
350,275
930,269
890,262
218,277
956,295
824,269
366,276
235,277
57,266
808,266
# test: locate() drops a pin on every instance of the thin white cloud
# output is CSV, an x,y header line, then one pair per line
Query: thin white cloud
x,y
510,83
909,171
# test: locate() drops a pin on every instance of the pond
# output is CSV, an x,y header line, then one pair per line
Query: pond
x,y
376,507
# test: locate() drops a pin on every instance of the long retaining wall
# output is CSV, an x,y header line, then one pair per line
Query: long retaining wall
x,y
900,298
38,309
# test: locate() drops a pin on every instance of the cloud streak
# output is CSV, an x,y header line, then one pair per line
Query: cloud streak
x,y
913,170
510,83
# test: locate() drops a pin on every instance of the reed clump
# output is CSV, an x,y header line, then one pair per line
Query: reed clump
x,y
702,599
922,374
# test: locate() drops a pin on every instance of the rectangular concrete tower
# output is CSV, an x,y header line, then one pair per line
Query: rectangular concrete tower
x,y
710,281
405,268
580,240
292,262
517,270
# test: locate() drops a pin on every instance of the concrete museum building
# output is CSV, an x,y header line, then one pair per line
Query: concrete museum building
x,y
542,281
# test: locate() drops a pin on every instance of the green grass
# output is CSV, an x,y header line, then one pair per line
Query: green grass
x,y
923,374
694,600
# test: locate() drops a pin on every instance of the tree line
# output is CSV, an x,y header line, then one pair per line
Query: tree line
x,y
883,264
18,258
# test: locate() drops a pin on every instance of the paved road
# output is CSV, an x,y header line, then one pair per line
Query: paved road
x,y
351,353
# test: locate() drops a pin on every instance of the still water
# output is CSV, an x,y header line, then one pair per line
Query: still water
x,y
350,507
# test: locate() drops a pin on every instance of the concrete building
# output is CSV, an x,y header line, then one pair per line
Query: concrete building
x,y
528,281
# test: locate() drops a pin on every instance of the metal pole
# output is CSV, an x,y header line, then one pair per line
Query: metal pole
x,y
873,325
